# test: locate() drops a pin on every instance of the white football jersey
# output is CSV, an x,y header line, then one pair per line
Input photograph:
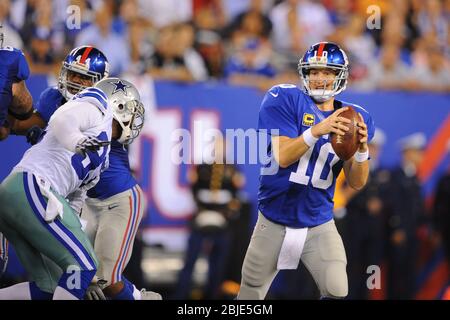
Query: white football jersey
x,y
54,158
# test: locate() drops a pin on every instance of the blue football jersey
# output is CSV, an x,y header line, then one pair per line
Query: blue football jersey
x,y
13,68
300,195
49,100
117,178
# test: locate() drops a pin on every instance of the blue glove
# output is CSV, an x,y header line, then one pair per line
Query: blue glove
x,y
34,135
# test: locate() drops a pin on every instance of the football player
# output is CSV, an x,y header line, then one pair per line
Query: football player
x,y
38,220
115,206
295,203
107,228
15,102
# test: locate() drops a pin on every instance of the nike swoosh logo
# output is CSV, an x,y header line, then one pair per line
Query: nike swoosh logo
x,y
273,94
110,207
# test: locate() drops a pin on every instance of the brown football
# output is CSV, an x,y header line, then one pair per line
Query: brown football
x,y
346,146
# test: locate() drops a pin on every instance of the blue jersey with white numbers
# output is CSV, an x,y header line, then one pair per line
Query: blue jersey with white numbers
x,y
13,68
117,178
300,195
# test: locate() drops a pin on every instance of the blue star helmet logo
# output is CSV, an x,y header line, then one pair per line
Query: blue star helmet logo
x,y
120,86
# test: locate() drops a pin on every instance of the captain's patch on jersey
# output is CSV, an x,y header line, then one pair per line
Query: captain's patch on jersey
x,y
308,119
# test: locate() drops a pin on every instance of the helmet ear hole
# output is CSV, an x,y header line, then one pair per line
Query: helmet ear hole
x,y
120,106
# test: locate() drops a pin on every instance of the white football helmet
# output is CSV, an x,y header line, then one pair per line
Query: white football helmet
x,y
127,107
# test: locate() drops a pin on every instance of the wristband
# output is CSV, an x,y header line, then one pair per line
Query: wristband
x,y
22,116
308,137
361,156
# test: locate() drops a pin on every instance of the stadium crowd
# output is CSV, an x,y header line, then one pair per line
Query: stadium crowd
x,y
398,44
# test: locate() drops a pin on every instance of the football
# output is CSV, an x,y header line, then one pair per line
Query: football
x,y
346,146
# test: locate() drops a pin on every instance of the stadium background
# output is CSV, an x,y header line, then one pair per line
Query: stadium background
x,y
205,62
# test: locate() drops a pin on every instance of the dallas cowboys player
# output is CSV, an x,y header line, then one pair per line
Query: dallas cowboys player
x,y
41,224
15,102
295,204
115,206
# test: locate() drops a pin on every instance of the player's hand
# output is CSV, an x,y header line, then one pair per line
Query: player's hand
x,y
90,144
94,292
334,123
34,135
363,132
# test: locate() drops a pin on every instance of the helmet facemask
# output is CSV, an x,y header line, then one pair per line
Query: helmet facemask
x,y
130,116
322,95
69,88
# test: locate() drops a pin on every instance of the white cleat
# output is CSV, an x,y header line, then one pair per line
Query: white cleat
x,y
150,295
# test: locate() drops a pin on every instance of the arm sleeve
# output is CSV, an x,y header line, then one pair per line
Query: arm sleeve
x,y
23,71
70,121
276,113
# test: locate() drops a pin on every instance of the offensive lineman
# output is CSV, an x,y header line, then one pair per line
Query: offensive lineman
x,y
15,100
295,204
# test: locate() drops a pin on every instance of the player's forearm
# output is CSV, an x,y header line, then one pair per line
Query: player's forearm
x,y
21,127
357,173
289,150
22,102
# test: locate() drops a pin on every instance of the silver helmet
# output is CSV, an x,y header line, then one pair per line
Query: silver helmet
x,y
127,107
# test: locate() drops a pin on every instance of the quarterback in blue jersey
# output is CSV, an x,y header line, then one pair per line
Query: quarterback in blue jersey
x,y
295,203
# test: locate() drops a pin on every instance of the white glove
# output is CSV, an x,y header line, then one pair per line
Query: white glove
x,y
94,292
87,144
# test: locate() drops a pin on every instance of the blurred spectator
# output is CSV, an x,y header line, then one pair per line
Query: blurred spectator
x,y
174,57
100,34
297,24
365,233
250,63
11,36
433,22
164,13
405,213
341,11
390,72
213,8
208,37
435,75
215,190
252,22
41,57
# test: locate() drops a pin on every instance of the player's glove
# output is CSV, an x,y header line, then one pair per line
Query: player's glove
x,y
89,144
34,135
94,292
